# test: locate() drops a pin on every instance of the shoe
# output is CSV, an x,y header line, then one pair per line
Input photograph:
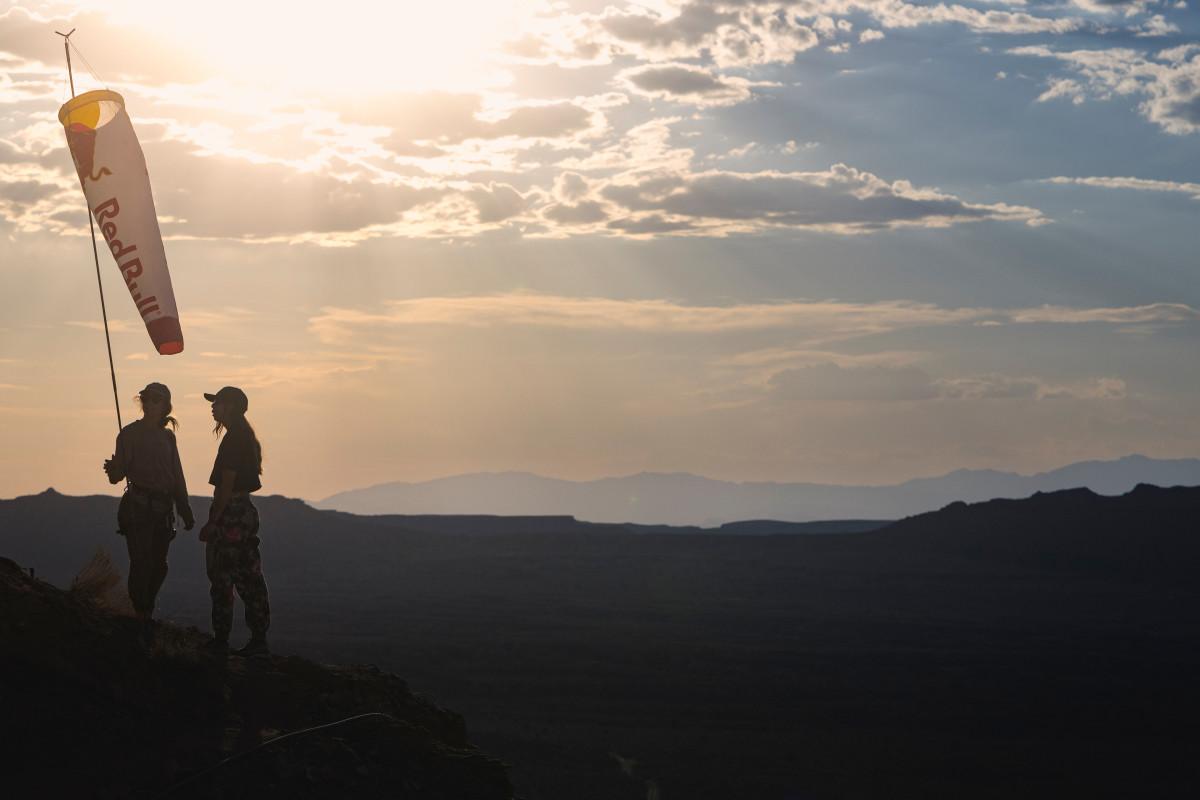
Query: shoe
x,y
254,647
218,647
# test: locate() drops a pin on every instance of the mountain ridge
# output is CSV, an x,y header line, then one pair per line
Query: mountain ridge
x,y
679,498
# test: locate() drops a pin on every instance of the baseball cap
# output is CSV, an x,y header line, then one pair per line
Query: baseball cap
x,y
230,395
159,389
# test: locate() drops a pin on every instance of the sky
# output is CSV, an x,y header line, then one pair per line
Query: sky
x,y
831,241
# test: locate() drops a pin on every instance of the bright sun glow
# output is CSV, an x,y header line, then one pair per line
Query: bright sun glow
x,y
349,46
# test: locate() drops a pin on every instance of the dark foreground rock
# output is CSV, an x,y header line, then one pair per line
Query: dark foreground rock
x,y
90,709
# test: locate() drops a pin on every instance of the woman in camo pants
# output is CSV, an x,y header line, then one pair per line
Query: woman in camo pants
x,y
231,555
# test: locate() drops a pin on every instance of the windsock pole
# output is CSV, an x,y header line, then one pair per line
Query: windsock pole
x,y
95,251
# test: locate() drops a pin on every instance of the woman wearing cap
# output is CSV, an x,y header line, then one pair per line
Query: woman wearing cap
x,y
147,456
231,553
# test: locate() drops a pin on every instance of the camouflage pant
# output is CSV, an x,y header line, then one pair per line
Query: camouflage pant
x,y
232,560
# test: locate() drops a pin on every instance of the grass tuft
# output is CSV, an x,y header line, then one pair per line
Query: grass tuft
x,y
100,582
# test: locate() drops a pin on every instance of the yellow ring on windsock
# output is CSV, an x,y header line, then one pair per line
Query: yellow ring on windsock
x,y
87,109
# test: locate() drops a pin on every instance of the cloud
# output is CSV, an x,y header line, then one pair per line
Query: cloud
x,y
1126,7
585,213
570,186
1153,313
689,29
841,200
1004,387
1138,184
989,387
497,202
749,32
576,206
529,46
685,83
1063,88
424,123
1089,389
650,225
1169,81
548,121
649,142
1174,101
807,324
745,33
25,192
222,197
732,34
830,382
823,321
1158,26
895,14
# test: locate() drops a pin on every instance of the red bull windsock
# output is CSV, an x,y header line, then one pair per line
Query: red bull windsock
x,y
113,173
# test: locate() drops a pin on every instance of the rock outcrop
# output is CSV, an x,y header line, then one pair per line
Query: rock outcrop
x,y
93,707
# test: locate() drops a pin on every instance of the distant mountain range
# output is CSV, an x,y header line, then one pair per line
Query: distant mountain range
x,y
684,499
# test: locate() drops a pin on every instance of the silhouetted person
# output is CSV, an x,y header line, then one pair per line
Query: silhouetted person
x,y
148,457
231,554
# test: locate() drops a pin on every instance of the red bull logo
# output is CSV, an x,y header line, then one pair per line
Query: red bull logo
x,y
131,268
82,141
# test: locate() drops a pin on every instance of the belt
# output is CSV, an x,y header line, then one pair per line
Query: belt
x,y
152,494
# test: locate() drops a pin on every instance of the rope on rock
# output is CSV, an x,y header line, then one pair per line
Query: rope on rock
x,y
226,762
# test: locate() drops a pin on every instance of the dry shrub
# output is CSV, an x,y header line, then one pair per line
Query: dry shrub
x,y
102,583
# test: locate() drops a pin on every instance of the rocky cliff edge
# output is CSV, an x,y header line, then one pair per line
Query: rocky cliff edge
x,y
92,707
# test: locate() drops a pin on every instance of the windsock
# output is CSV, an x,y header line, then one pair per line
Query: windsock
x,y
112,171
